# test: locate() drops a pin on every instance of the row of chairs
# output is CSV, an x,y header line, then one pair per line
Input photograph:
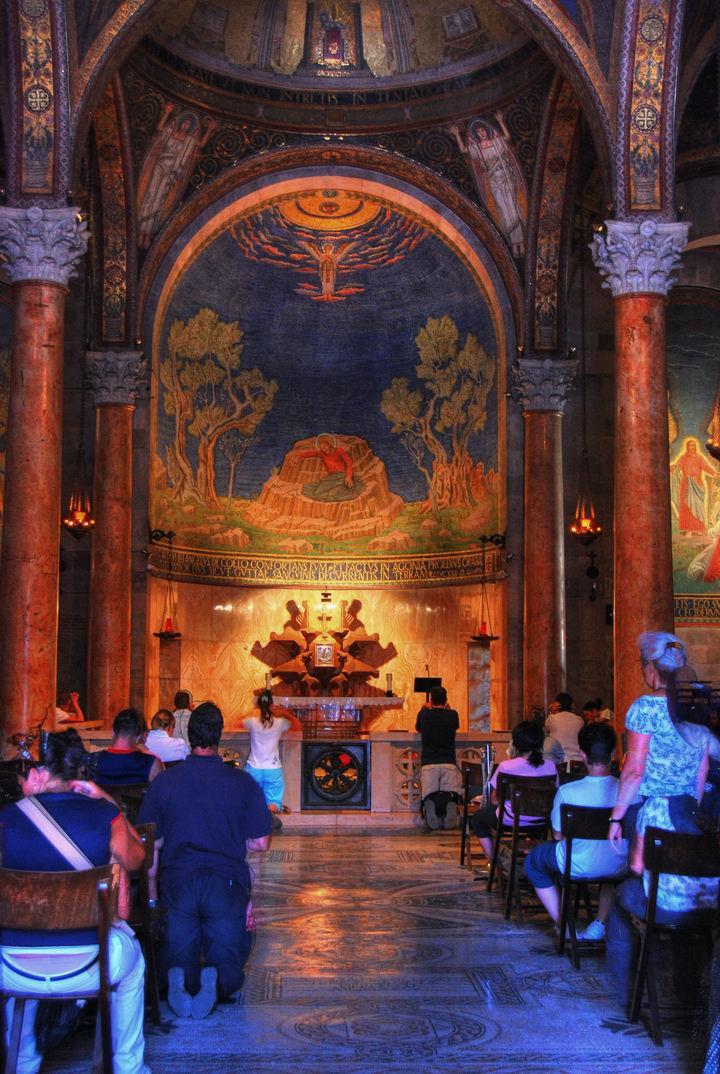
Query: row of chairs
x,y
664,853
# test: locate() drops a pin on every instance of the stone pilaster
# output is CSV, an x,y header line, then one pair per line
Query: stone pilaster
x,y
637,258
542,388
40,250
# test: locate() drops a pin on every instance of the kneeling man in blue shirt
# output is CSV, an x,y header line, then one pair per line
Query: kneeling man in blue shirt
x,y
207,815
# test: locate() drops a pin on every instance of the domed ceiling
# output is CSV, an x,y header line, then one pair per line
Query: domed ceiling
x,y
341,41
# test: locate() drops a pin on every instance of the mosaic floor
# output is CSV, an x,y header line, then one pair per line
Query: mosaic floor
x,y
377,953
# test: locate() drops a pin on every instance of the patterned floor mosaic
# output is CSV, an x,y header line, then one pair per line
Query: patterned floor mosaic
x,y
379,954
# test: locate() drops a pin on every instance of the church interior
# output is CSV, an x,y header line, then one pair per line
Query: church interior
x,y
347,345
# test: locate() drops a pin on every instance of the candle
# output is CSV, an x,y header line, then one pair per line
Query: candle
x,y
388,679
268,677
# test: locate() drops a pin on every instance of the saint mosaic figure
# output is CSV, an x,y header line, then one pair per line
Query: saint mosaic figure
x,y
166,168
498,177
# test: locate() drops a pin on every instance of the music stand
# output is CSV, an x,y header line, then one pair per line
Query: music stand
x,y
423,685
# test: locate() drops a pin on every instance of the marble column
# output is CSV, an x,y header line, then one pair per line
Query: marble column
x,y
542,387
41,249
115,377
637,258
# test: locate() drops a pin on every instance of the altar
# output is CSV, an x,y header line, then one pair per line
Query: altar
x,y
338,717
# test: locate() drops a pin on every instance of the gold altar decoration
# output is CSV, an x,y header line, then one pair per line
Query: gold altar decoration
x,y
325,660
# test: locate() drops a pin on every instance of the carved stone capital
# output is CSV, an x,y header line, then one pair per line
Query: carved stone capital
x,y
544,383
639,256
115,377
41,245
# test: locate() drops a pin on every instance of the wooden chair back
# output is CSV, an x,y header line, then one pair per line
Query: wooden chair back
x,y
531,800
128,796
474,777
677,854
578,822
508,783
46,902
142,918
680,854
64,900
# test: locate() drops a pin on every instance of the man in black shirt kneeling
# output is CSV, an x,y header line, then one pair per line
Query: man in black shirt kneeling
x,y
437,724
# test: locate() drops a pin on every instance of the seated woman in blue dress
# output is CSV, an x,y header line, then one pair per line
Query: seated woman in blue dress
x,y
66,961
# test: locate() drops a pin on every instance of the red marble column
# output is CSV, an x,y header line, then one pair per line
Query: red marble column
x,y
41,248
637,258
114,377
543,387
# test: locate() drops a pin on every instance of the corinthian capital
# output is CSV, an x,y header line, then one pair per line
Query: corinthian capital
x,y
41,245
639,256
544,383
115,377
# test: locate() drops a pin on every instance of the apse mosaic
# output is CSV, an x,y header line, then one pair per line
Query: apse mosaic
x,y
694,423
328,386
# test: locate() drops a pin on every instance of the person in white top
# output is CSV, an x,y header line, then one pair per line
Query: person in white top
x,y
159,739
183,708
564,726
545,863
263,763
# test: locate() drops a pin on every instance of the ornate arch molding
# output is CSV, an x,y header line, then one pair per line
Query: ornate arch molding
x,y
262,170
557,35
551,221
645,148
116,250
547,24
692,71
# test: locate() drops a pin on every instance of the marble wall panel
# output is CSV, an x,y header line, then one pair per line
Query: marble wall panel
x,y
219,626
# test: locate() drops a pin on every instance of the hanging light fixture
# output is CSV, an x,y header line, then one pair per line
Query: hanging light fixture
x,y
485,633
584,526
713,445
78,518
168,619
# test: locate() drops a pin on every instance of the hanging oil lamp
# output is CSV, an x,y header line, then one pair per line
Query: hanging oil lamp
x,y
584,526
78,519
168,619
485,633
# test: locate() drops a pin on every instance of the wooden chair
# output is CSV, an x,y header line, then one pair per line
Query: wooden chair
x,y
143,919
504,830
47,902
128,796
474,778
676,854
532,798
579,822
571,775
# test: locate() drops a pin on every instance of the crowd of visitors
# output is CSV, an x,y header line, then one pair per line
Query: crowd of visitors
x,y
668,780
207,815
